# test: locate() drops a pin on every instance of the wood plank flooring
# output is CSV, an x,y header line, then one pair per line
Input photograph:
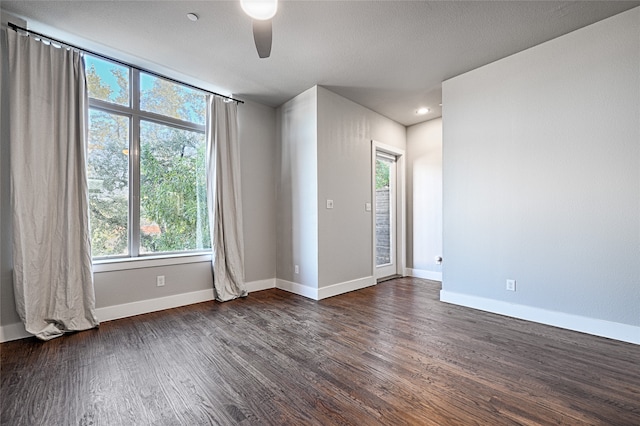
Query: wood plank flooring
x,y
391,354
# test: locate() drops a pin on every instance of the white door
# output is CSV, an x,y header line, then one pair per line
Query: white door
x,y
385,244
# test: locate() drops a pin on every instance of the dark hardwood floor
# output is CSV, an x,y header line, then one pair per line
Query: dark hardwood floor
x,y
390,354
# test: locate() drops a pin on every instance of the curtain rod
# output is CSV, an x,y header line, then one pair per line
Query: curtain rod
x,y
155,74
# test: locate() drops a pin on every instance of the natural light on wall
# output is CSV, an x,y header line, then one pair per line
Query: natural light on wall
x,y
260,9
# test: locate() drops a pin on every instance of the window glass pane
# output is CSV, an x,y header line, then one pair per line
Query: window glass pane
x,y
108,170
173,204
383,211
164,97
107,81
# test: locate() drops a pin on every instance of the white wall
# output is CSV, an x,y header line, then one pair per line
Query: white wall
x,y
542,182
297,189
424,199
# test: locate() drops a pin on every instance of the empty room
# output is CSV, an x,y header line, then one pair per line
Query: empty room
x,y
279,212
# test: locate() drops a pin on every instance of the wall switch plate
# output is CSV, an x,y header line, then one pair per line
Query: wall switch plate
x,y
160,281
296,269
329,204
367,207
511,285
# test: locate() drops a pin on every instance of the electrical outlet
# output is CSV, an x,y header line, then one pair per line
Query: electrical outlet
x,y
511,285
296,269
160,281
329,204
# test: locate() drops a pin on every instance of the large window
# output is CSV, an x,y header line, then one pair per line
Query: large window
x,y
146,161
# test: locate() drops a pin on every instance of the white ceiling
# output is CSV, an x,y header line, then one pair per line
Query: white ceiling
x,y
390,56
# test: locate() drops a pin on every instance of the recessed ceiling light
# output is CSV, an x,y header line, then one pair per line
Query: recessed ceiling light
x,y
192,17
422,111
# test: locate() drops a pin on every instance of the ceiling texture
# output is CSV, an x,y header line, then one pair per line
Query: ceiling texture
x,y
390,56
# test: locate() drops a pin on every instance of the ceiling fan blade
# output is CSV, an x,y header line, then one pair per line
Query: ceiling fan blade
x,y
262,35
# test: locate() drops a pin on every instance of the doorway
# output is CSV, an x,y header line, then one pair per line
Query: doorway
x,y
388,236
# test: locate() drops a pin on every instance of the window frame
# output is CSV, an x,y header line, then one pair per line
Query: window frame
x,y
134,258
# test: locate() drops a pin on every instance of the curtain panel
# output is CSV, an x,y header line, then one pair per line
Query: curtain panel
x,y
223,200
53,279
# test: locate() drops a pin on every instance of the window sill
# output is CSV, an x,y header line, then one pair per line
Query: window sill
x,y
109,265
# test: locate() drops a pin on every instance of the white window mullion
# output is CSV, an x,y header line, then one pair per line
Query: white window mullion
x,y
134,169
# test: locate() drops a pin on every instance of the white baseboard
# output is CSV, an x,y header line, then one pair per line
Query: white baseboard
x,y
260,285
109,313
612,330
296,288
13,332
324,292
422,273
345,287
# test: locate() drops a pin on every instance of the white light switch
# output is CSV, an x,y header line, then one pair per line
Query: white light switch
x,y
329,204
367,207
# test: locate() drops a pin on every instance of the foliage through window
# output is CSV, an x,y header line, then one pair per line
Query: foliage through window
x,y
146,162
108,169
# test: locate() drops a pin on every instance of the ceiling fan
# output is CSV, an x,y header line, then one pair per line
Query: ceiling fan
x,y
261,11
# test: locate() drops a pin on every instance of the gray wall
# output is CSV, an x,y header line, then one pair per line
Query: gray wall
x,y
258,146
345,131
8,313
134,285
256,133
424,197
325,153
542,175
297,189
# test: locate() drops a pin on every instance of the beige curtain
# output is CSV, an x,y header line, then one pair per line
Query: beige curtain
x,y
53,279
223,200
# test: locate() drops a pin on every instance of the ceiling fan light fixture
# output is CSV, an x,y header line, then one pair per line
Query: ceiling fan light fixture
x,y
260,10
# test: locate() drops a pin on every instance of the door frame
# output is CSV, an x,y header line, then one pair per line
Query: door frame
x,y
400,205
